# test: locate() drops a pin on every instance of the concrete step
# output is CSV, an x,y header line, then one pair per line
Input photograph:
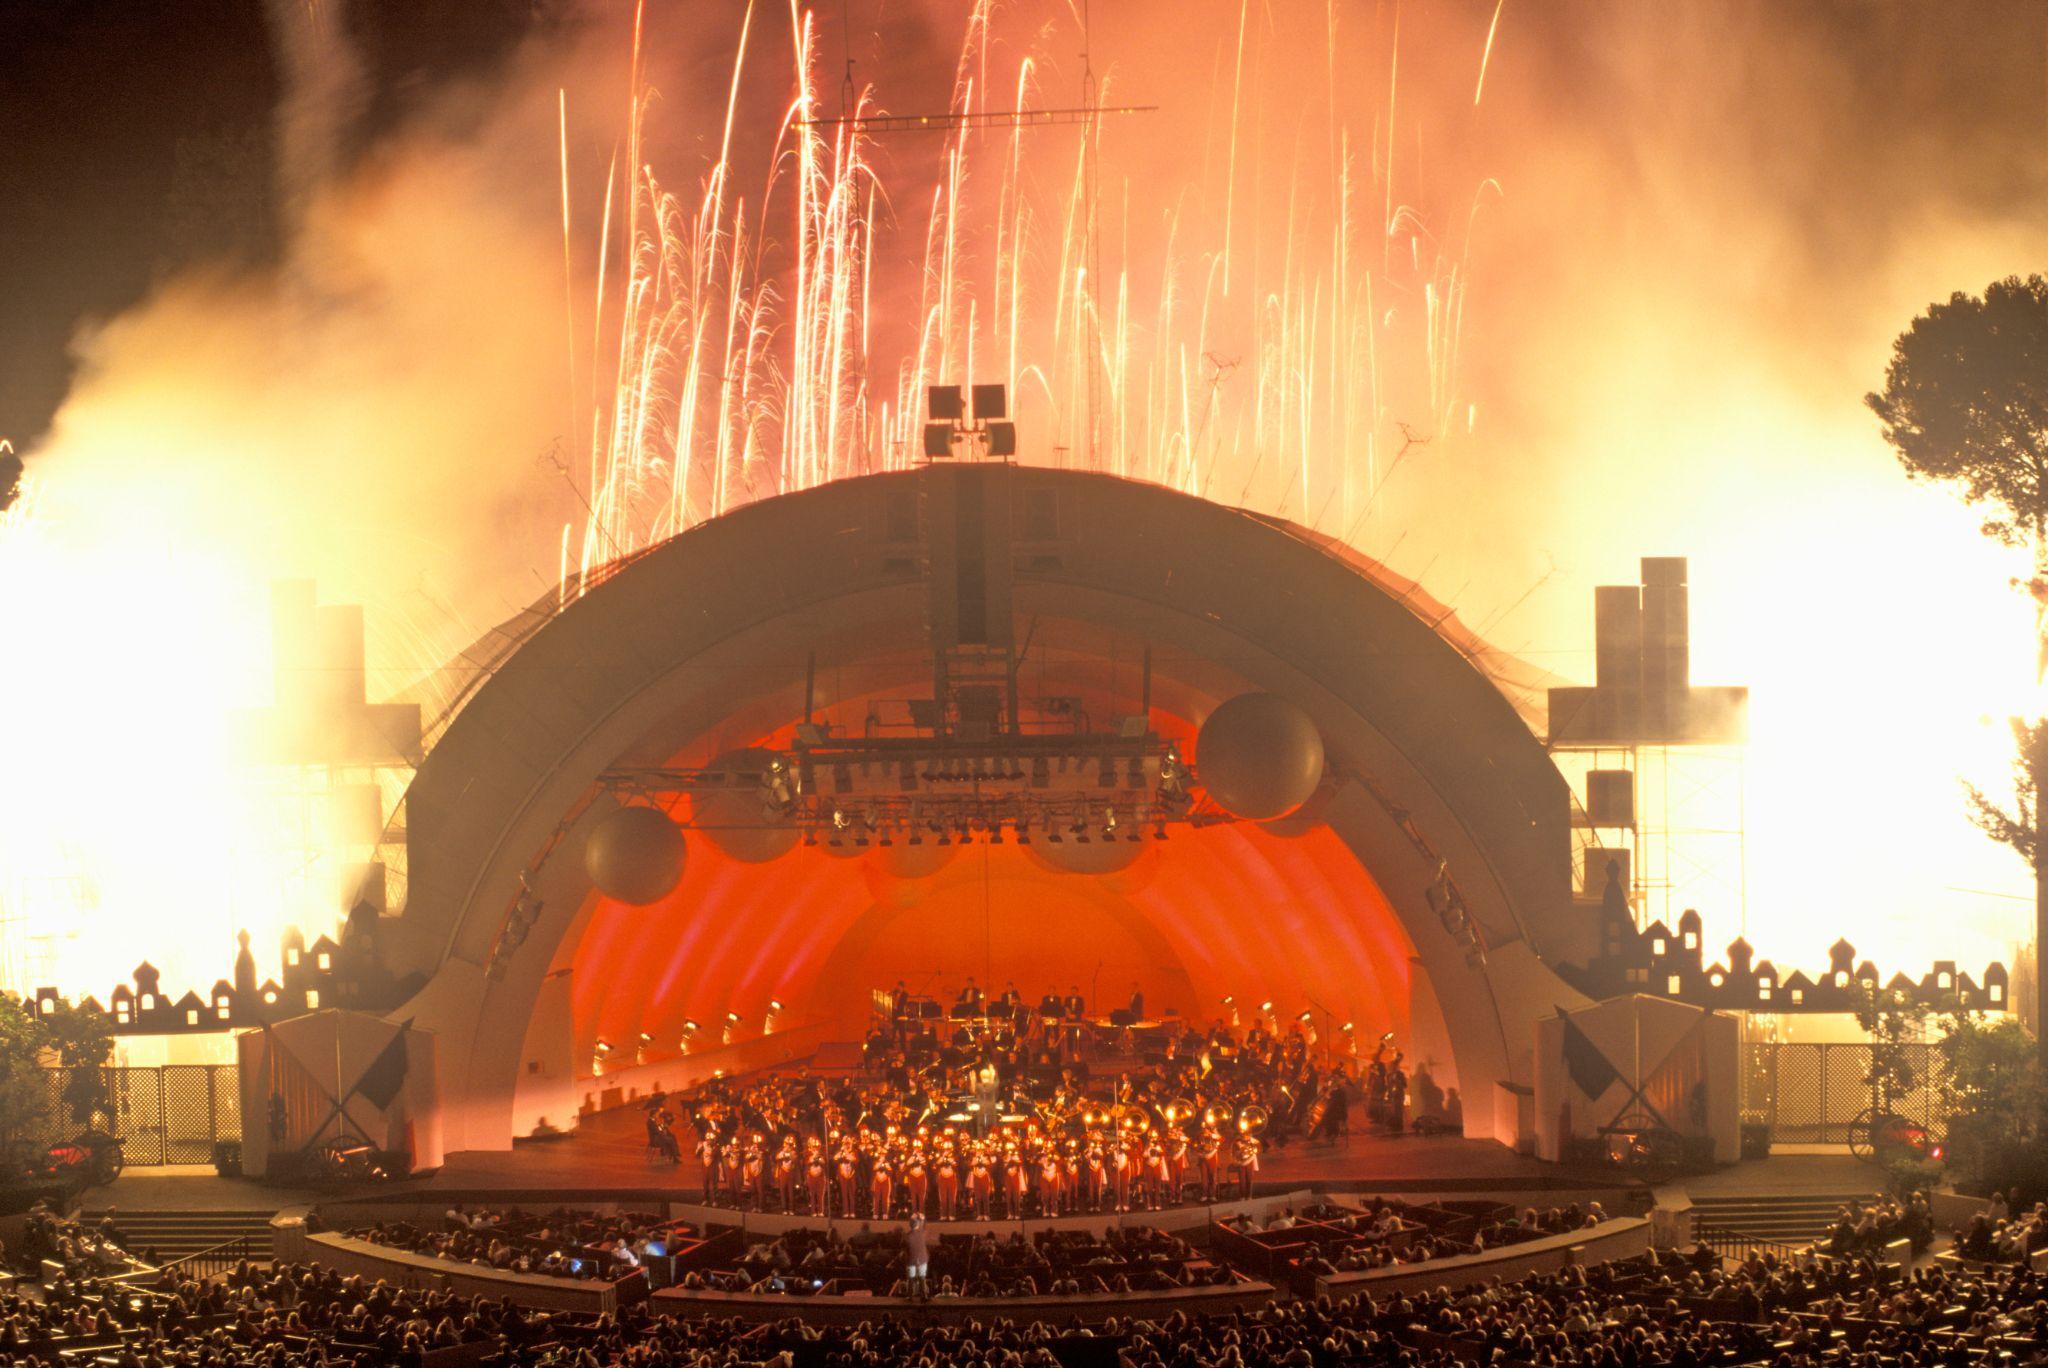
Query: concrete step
x,y
175,1234
1785,1217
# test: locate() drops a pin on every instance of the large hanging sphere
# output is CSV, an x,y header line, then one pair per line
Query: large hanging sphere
x,y
1097,856
905,861
1259,756
1308,817
635,855
737,821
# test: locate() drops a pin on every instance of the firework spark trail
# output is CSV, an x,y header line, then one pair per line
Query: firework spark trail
x,y
745,358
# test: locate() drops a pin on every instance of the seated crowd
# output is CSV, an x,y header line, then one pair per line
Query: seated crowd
x,y
561,1243
2000,1234
1051,1264
1867,1227
80,1250
1326,1239
1656,1309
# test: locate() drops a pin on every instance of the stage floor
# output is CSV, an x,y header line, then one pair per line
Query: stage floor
x,y
607,1156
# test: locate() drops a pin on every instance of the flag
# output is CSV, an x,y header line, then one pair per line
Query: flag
x,y
386,1075
1588,1067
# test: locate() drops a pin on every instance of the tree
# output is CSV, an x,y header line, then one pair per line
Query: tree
x,y
76,1039
1965,404
1894,1026
1994,1094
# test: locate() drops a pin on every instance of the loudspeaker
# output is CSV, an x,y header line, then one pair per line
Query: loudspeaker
x,y
1611,797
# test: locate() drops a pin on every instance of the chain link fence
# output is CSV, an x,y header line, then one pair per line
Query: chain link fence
x,y
174,1114
1811,1094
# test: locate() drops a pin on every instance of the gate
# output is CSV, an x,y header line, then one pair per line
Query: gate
x,y
1809,1093
173,1114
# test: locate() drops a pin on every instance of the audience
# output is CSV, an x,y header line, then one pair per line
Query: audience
x,y
1667,1308
562,1243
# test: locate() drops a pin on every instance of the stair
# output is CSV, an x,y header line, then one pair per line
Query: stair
x,y
175,1234
1793,1218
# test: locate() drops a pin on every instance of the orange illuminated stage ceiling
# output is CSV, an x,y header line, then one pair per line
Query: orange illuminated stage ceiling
x,y
1223,911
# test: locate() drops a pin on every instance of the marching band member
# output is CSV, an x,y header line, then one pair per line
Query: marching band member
x,y
1097,1176
1049,1187
916,1178
1125,1169
1247,1162
707,1155
785,1172
882,1188
815,1170
731,1160
981,1179
1176,1163
1158,1181
847,1169
1210,1156
1016,1182
754,1172
949,1178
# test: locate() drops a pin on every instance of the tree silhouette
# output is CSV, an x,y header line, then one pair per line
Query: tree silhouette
x,y
1965,402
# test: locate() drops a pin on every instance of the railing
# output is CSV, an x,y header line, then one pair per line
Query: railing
x,y
1731,1244
209,1264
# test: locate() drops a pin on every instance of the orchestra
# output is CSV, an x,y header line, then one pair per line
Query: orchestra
x,y
998,1095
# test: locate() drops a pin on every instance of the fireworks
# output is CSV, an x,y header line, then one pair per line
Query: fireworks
x,y
743,354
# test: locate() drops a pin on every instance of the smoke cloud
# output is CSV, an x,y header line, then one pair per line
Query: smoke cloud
x,y
1621,300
